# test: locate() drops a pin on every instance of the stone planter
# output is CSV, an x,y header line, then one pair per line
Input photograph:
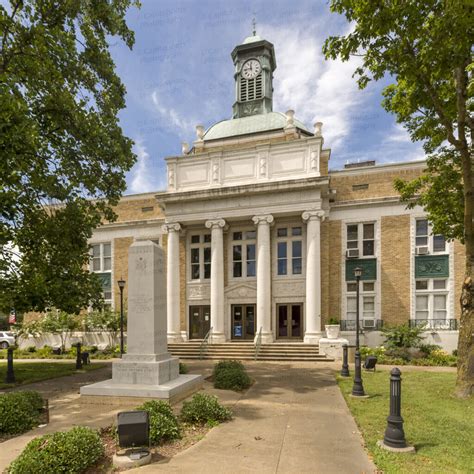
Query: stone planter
x,y
332,331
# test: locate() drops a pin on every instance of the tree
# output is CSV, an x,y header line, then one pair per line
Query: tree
x,y
108,321
63,155
57,322
425,48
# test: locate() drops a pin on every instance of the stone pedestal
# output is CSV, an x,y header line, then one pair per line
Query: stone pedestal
x,y
332,347
148,369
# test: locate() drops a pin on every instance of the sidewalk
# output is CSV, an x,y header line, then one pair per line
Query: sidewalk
x,y
292,420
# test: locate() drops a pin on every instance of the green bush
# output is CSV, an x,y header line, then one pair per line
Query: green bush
x,y
228,364
164,425
232,379
403,336
230,375
19,411
203,408
427,349
183,368
71,452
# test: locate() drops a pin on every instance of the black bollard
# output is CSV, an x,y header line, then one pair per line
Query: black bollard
x,y
394,434
358,387
345,365
10,378
78,356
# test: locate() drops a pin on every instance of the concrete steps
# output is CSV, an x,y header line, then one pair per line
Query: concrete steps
x,y
246,351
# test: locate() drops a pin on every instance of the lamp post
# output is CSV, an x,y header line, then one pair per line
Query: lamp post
x,y
357,388
121,284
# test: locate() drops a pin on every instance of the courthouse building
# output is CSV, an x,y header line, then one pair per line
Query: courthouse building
x,y
262,238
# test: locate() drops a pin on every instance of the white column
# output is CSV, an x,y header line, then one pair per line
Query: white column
x,y
173,284
313,276
264,278
217,279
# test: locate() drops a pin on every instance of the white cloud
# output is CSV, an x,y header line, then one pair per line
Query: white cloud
x,y
318,90
171,117
140,174
398,134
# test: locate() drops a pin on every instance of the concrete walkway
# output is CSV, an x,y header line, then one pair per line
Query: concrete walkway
x,y
292,420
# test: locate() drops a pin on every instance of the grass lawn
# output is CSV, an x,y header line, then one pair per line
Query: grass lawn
x,y
440,426
28,372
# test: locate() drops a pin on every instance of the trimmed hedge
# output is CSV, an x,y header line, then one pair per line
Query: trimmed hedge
x,y
203,408
19,411
72,452
231,375
163,422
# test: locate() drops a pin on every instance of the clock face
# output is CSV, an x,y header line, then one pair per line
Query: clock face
x,y
251,69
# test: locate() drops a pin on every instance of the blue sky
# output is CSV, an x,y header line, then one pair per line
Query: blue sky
x,y
180,74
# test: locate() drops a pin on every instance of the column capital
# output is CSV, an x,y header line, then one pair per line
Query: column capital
x,y
263,219
171,227
313,215
215,223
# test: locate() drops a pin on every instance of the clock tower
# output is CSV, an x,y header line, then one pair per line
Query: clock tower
x,y
254,62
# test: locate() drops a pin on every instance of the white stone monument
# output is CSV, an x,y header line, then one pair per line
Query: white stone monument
x,y
147,370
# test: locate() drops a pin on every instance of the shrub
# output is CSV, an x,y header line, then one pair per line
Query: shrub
x,y
427,349
72,451
232,379
403,336
183,368
31,349
163,423
19,411
231,375
203,408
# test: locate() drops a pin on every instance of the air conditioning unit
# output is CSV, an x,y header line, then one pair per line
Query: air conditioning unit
x,y
352,253
368,323
422,251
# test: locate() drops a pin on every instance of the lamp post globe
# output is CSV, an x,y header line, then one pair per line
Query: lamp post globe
x,y
357,388
121,285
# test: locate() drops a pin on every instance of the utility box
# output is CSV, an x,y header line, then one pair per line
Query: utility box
x,y
133,429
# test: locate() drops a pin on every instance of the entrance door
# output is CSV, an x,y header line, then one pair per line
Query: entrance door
x,y
290,319
199,321
243,321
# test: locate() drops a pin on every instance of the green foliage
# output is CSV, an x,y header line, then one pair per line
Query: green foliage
x,y
333,320
183,368
62,151
73,451
19,411
228,364
164,425
427,349
108,321
203,408
403,336
230,375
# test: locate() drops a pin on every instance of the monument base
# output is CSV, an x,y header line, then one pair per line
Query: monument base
x,y
172,391
332,347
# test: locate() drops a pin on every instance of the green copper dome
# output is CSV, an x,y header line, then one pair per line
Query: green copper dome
x,y
248,125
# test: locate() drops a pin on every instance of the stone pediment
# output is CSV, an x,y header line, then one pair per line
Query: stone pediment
x,y
241,290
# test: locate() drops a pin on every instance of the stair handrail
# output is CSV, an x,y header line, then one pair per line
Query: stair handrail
x,y
205,343
258,343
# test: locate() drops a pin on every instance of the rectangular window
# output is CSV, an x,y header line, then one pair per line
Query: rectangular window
x,y
101,263
424,237
367,300
296,257
361,237
251,260
282,258
289,250
243,254
431,301
200,253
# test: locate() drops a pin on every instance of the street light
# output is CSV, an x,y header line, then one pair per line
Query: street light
x,y
121,284
357,388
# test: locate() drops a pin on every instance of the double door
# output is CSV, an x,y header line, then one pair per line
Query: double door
x,y
199,321
243,321
290,321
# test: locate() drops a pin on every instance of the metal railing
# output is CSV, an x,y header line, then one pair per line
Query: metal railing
x,y
258,343
350,325
435,324
204,344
